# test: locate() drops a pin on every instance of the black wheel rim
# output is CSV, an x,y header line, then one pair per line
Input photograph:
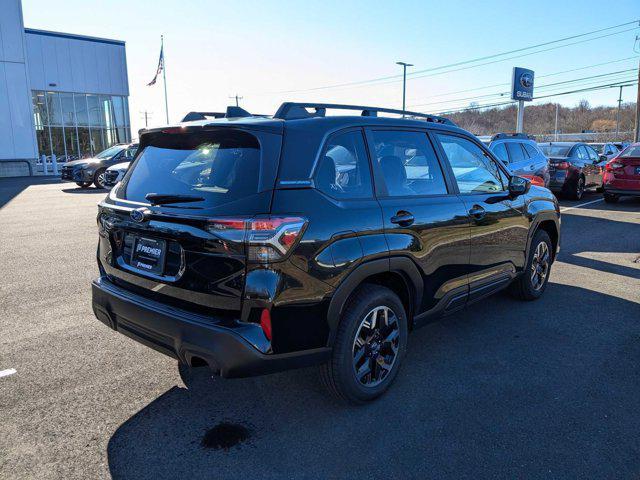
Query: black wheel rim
x,y
540,265
376,345
580,188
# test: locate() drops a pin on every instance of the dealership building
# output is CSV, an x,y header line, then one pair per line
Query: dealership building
x,y
62,96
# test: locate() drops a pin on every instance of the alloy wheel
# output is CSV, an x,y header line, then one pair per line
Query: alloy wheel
x,y
540,265
102,177
376,345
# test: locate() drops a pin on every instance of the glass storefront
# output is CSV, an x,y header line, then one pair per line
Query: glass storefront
x,y
78,125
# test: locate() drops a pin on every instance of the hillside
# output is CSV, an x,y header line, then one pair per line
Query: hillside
x,y
540,120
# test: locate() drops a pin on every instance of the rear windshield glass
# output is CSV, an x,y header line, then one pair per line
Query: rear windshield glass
x,y
632,151
555,150
216,167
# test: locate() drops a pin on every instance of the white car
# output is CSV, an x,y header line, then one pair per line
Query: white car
x,y
115,173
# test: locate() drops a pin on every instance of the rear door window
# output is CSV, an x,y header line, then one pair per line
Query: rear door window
x,y
343,170
217,167
408,163
515,152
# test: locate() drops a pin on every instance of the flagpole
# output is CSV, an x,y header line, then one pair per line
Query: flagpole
x,y
164,76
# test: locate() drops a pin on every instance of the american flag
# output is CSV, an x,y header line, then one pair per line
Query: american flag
x,y
160,67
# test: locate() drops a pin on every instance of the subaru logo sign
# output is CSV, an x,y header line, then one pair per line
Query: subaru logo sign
x,y
522,84
138,215
526,80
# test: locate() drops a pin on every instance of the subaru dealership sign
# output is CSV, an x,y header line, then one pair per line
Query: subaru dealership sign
x,y
522,84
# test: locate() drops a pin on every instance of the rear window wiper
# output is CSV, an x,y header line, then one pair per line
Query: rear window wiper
x,y
165,198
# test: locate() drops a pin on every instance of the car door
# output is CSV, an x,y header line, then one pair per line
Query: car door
x,y
593,171
499,226
423,218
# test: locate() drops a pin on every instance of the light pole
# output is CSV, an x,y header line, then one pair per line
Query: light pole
x,y
404,82
618,115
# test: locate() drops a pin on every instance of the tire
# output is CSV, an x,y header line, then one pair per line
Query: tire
x,y
99,179
611,198
367,303
578,189
528,286
83,184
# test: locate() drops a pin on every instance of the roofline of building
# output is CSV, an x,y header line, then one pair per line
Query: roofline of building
x,y
73,36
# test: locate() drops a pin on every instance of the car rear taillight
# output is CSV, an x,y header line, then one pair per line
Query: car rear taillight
x,y
535,180
563,165
267,239
613,165
265,323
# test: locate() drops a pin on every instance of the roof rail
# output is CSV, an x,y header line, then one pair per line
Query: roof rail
x,y
502,136
294,110
232,112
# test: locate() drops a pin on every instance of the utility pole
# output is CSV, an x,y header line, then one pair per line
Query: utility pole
x,y
237,99
146,114
555,137
636,137
404,83
618,114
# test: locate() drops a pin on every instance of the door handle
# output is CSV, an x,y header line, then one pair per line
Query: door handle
x,y
477,212
404,219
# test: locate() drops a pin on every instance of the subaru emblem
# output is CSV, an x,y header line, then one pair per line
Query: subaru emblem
x,y
138,215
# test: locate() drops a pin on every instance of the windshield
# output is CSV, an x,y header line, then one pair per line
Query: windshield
x,y
110,152
556,150
218,167
631,151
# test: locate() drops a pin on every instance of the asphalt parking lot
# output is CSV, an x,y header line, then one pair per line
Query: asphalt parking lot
x,y
548,389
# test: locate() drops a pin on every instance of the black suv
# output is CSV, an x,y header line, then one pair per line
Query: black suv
x,y
257,244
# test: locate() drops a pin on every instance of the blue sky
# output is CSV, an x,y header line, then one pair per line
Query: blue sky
x,y
259,49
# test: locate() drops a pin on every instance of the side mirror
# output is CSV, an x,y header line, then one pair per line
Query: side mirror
x,y
518,186
602,158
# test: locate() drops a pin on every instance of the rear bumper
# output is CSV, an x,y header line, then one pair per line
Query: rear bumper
x,y
184,335
619,191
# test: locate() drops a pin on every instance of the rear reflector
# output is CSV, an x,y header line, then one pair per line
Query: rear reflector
x,y
265,323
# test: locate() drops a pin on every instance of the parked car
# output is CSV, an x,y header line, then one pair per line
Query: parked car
x,y
115,173
621,145
573,167
521,155
262,244
609,150
86,171
622,174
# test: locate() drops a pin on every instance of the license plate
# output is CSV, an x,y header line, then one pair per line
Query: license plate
x,y
148,255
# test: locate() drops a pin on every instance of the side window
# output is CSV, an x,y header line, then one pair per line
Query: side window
x,y
593,155
343,170
408,163
582,154
130,153
474,171
531,150
500,151
515,152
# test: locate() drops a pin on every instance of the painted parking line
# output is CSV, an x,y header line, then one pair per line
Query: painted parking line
x,y
564,209
6,373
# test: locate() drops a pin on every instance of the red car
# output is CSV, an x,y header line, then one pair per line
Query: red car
x,y
622,174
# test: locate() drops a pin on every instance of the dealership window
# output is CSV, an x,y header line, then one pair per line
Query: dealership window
x,y
78,125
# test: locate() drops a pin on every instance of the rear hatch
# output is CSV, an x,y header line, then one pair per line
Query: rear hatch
x,y
169,230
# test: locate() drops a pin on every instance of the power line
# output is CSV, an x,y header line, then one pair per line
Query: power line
x,y
416,74
626,83
503,84
500,94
